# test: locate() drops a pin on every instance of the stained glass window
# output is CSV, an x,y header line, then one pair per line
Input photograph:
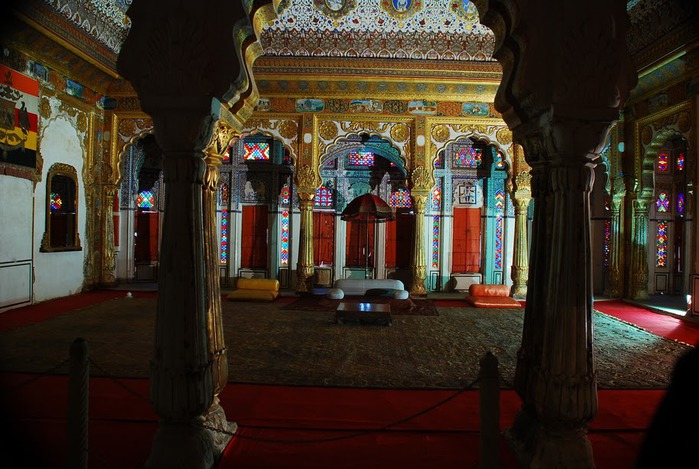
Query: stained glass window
x,y
661,245
56,201
226,157
439,161
223,194
360,158
499,222
145,199
680,204
436,198
285,195
284,247
256,151
224,237
435,242
324,197
499,161
607,241
468,157
401,199
662,161
680,162
662,204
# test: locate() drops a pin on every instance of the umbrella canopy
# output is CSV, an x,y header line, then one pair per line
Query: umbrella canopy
x,y
368,207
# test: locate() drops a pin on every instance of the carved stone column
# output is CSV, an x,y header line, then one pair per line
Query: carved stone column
x,y
421,182
615,273
173,58
304,269
215,417
638,278
566,74
520,263
417,288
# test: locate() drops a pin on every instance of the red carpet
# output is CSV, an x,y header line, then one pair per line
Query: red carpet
x,y
661,324
318,421
122,425
47,309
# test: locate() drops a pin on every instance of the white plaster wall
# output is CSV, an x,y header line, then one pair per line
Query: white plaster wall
x,y
17,196
59,273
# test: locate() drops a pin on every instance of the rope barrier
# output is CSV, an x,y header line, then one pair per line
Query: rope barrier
x,y
356,434
36,377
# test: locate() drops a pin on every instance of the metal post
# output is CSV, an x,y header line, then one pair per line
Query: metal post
x,y
490,411
78,389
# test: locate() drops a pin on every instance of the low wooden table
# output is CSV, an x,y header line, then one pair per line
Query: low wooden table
x,y
363,313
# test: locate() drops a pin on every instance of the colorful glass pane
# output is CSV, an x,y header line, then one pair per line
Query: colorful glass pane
x,y
226,157
256,151
145,199
662,204
285,195
680,162
497,260
662,161
661,245
468,157
223,192
499,161
324,197
680,204
360,158
439,161
435,242
284,247
500,201
224,237
56,201
401,199
436,198
607,241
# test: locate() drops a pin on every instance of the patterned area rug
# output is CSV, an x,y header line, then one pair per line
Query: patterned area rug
x,y
269,344
410,306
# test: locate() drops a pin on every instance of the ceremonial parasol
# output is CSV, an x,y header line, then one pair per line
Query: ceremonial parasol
x,y
370,209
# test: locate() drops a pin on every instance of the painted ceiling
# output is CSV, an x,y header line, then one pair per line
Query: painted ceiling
x,y
422,36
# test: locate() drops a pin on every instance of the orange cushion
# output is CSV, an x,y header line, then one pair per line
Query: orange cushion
x,y
478,289
493,302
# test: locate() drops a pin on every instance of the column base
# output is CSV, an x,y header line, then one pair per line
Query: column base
x,y
220,429
519,292
535,446
178,445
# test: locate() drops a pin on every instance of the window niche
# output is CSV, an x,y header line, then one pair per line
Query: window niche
x,y
61,210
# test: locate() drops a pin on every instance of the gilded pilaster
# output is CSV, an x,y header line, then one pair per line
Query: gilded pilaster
x,y
215,416
421,182
304,270
521,197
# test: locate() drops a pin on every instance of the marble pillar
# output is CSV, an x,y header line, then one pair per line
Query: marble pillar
x,y
615,274
566,74
638,275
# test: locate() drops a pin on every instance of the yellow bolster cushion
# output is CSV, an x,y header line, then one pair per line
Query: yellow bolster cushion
x,y
259,295
269,284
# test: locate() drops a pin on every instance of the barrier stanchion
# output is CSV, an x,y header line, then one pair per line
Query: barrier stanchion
x,y
78,398
490,411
